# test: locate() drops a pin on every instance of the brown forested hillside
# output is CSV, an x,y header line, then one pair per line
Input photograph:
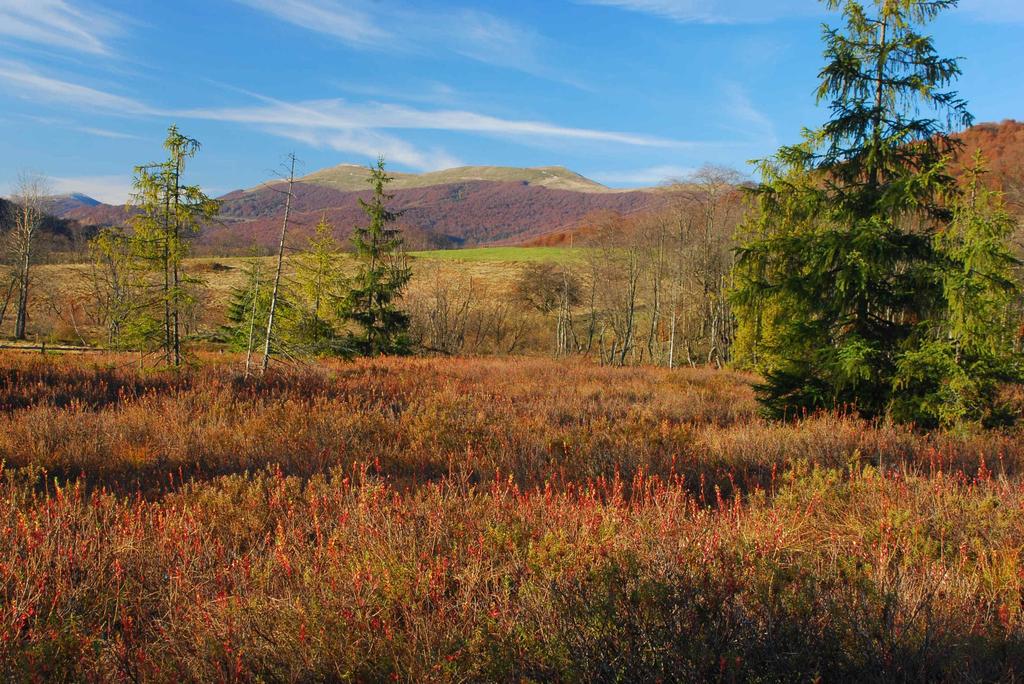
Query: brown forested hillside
x,y
450,215
1002,144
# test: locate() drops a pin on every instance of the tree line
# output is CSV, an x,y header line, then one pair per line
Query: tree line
x,y
863,276
139,291
858,273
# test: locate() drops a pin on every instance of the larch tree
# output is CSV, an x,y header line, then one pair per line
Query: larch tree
x,y
371,303
842,279
320,281
169,211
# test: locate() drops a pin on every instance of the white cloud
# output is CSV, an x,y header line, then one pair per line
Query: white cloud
x,y
74,126
654,175
716,11
750,122
429,92
104,133
57,23
487,38
366,24
757,11
33,85
355,128
347,23
368,143
109,189
337,115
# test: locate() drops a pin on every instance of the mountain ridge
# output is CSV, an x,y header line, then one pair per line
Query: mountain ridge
x,y
488,205
351,177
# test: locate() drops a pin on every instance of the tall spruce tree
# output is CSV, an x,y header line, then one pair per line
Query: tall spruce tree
x,y
841,279
372,300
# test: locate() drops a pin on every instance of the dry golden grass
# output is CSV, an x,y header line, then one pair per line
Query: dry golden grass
x,y
61,293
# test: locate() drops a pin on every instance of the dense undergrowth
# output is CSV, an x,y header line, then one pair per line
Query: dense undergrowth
x,y
467,520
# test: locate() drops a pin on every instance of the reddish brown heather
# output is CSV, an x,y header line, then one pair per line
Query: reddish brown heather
x,y
469,520
416,420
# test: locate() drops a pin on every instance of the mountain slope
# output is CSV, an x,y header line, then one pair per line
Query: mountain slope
x,y
1002,144
471,213
487,205
60,205
466,206
353,177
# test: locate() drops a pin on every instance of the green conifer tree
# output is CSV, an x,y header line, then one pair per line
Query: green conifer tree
x,y
248,308
169,211
372,300
318,271
841,275
953,379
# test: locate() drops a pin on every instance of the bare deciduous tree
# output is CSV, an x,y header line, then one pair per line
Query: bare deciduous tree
x,y
30,198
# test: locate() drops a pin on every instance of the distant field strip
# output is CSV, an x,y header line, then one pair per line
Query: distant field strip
x,y
562,254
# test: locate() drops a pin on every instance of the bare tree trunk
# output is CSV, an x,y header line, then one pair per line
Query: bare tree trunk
x,y
655,313
168,342
316,308
280,266
634,277
252,322
592,326
672,340
176,280
21,319
7,299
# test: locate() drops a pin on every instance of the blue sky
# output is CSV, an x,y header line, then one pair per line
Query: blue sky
x,y
628,92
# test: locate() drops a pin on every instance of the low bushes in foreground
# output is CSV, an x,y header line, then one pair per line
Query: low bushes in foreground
x,y
416,420
467,520
849,575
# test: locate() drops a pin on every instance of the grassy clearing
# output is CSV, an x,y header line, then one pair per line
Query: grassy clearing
x,y
489,520
59,288
506,254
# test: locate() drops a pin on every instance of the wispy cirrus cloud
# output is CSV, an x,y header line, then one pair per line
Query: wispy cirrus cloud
x,y
30,84
337,124
652,175
348,23
105,133
370,143
745,118
468,32
339,115
429,92
74,126
715,11
58,23
758,11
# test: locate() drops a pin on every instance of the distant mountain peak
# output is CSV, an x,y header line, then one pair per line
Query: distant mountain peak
x,y
59,205
352,177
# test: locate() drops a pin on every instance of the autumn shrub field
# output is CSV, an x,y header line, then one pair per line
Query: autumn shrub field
x,y
489,520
